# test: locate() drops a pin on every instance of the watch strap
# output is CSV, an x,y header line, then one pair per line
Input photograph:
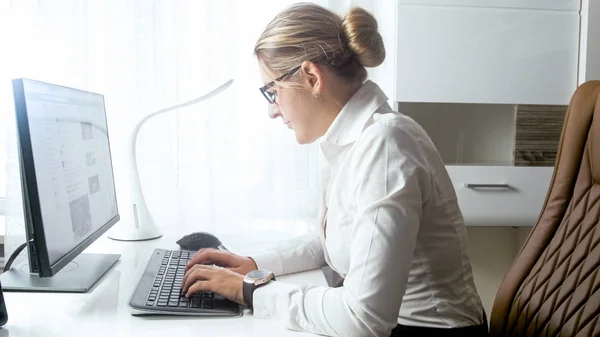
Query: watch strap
x,y
248,291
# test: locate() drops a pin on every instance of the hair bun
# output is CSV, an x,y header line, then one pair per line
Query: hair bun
x,y
363,37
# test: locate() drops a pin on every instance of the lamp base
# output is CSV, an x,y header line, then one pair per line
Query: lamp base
x,y
136,224
124,233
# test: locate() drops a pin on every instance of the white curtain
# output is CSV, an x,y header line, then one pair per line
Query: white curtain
x,y
221,166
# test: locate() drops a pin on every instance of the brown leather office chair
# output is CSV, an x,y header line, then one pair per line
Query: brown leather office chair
x,y
553,288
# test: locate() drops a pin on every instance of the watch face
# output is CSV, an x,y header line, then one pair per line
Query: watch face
x,y
258,274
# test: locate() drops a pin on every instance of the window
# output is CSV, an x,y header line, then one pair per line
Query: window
x,y
5,102
3,136
216,166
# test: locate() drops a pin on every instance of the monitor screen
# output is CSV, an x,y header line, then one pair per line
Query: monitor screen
x,y
71,161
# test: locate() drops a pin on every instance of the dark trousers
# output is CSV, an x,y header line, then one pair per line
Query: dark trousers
x,y
413,331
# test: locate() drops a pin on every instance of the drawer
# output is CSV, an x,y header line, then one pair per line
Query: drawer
x,y
500,195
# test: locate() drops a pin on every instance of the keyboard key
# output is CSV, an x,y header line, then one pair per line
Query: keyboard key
x,y
151,298
162,304
173,304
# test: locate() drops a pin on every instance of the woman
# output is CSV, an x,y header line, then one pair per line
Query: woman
x,y
391,225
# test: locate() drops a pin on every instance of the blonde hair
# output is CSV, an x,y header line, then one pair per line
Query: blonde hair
x,y
309,32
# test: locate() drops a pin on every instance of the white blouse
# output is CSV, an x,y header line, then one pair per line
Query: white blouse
x,y
390,225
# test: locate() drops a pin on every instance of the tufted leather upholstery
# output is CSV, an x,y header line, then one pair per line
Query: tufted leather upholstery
x,y
553,288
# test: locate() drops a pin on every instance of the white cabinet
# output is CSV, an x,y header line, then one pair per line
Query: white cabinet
x,y
480,144
490,81
500,52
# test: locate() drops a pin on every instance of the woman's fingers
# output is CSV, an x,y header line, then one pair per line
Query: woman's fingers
x,y
210,256
196,273
217,280
197,287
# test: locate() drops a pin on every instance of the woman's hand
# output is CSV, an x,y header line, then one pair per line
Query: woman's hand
x,y
239,264
222,281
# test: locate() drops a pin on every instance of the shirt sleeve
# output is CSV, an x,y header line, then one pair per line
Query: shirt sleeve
x,y
299,254
390,189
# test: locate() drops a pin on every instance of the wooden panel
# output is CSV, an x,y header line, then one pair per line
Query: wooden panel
x,y
538,133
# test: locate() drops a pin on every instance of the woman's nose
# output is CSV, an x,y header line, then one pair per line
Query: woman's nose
x,y
274,111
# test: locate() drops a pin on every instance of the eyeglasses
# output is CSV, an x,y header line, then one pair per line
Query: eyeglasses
x,y
271,96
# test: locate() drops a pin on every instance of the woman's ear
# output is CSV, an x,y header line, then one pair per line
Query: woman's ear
x,y
313,76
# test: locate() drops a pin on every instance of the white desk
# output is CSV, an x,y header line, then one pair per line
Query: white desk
x,y
104,310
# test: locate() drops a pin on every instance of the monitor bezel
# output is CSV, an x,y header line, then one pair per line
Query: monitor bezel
x,y
34,227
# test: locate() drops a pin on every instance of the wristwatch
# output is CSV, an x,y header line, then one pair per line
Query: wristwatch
x,y
253,280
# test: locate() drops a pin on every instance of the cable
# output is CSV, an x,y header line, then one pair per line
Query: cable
x,y
13,256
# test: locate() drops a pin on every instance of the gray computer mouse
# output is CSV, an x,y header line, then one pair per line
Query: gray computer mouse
x,y
199,240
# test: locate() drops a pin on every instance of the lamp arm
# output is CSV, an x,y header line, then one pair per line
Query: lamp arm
x,y
141,226
205,97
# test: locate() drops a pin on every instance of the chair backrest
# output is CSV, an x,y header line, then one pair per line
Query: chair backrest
x,y
553,287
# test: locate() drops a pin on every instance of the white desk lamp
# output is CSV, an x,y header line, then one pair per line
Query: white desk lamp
x,y
139,224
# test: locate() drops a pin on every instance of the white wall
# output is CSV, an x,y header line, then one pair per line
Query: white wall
x,y
589,57
492,251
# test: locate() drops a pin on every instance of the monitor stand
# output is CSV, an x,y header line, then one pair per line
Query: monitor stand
x,y
78,276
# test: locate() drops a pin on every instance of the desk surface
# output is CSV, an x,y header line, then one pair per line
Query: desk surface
x,y
104,310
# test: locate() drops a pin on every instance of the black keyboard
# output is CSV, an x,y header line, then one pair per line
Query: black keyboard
x,y
159,290
166,289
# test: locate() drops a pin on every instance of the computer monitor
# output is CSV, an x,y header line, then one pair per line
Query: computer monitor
x,y
69,197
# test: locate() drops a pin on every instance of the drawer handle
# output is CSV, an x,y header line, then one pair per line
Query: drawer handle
x,y
504,186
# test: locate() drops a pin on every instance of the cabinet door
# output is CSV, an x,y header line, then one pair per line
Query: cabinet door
x,y
463,54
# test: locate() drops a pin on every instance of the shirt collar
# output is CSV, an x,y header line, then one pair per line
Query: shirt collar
x,y
351,121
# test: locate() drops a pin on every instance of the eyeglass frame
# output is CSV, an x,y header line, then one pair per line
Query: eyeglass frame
x,y
265,89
